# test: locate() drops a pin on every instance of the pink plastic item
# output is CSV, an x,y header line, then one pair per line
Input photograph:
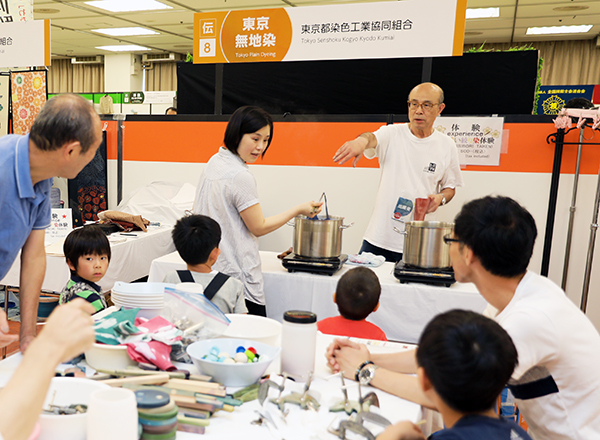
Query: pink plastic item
x,y
421,206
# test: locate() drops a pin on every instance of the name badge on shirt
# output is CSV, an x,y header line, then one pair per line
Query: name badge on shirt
x,y
403,208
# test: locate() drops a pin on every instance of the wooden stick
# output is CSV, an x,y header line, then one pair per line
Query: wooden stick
x,y
138,380
182,384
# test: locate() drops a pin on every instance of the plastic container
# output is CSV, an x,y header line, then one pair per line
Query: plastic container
x,y
256,328
108,357
232,375
67,391
298,343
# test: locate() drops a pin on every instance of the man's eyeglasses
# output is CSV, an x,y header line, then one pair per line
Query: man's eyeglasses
x,y
426,106
448,239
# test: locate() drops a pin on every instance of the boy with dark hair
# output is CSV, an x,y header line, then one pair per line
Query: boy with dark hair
x,y
464,361
357,295
197,238
87,252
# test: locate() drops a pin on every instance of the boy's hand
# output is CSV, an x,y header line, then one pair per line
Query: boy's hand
x,y
402,431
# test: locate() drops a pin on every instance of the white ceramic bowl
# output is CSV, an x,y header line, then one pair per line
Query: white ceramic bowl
x,y
232,375
108,357
256,328
69,390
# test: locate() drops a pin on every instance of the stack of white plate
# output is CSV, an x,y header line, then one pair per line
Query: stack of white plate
x,y
149,297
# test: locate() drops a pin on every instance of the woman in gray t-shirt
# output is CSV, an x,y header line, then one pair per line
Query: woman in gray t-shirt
x,y
227,192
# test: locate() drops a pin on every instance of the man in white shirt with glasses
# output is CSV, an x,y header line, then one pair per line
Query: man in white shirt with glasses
x,y
416,161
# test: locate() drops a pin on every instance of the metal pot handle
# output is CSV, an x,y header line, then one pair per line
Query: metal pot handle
x,y
346,226
399,231
293,225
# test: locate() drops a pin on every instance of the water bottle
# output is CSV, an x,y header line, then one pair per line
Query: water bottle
x,y
298,341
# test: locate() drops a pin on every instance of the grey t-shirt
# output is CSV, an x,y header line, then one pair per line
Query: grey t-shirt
x,y
229,298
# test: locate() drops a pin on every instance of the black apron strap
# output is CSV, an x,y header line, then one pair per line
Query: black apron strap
x,y
185,276
216,283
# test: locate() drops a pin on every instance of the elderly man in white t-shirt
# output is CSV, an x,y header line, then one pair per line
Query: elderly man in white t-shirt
x,y
416,161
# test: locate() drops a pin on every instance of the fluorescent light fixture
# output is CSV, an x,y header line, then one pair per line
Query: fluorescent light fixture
x,y
581,29
483,12
125,32
128,5
123,48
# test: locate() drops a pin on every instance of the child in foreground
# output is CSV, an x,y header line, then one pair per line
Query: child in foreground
x,y
464,361
196,239
87,252
357,296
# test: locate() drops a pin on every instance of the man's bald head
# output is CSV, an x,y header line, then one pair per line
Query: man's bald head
x,y
431,87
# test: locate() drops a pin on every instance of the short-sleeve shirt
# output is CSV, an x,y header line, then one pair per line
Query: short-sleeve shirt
x,y
226,188
25,207
229,298
478,427
78,287
556,383
338,325
411,167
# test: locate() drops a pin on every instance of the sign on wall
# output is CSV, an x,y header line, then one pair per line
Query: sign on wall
x,y
478,140
16,10
61,223
411,28
553,98
25,43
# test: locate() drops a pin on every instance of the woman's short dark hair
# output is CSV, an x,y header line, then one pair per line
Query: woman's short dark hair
x,y
64,118
195,237
247,119
500,232
468,359
357,293
87,240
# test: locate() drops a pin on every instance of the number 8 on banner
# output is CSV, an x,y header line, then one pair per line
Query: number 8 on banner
x,y
207,47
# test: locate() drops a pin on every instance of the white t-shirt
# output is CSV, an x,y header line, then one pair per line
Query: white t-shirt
x,y
559,361
410,167
226,188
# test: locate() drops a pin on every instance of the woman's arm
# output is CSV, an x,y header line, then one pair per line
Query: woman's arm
x,y
259,225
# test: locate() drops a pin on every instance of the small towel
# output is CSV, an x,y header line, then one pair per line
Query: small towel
x,y
365,259
128,222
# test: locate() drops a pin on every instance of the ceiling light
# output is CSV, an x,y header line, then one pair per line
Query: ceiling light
x,y
123,48
125,32
128,5
581,29
45,11
571,8
483,12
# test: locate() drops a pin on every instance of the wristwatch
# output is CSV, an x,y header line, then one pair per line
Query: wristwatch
x,y
365,372
443,199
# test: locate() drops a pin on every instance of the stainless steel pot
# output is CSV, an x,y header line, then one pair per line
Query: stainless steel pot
x,y
320,238
424,244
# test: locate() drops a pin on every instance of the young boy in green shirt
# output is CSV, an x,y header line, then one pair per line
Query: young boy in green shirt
x,y
87,251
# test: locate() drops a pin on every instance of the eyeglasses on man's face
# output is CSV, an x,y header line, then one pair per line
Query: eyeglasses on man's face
x,y
448,239
426,106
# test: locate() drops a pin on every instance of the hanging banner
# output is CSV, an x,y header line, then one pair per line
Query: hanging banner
x,y
410,28
25,43
28,91
4,110
478,140
16,10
